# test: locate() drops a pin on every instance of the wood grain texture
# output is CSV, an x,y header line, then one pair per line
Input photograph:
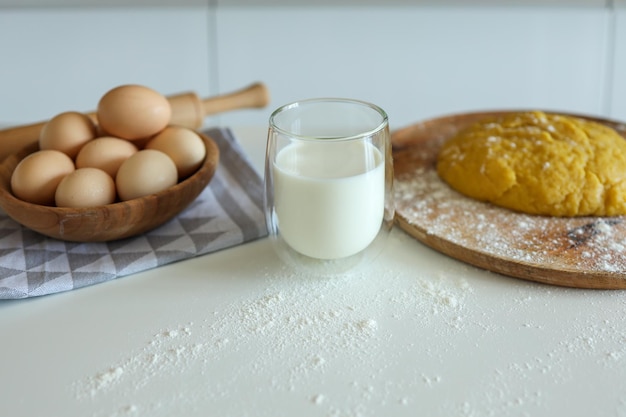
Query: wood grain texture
x,y
581,252
109,222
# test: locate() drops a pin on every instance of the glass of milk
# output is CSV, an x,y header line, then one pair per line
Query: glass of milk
x,y
328,183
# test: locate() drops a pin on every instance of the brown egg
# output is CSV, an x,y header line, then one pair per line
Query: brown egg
x,y
146,172
133,112
36,177
183,145
106,153
85,187
67,132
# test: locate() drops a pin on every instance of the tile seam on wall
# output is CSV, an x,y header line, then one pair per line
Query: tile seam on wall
x,y
213,53
609,71
212,44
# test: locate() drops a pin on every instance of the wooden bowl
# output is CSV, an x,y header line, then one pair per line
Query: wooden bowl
x,y
112,221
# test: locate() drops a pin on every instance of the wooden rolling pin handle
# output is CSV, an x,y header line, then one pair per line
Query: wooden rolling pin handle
x,y
15,138
187,110
254,96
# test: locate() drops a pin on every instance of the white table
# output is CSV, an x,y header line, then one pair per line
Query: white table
x,y
234,333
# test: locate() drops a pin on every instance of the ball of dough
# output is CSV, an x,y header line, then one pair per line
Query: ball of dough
x,y
539,163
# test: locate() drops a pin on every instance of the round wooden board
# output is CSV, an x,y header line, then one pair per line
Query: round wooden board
x,y
581,252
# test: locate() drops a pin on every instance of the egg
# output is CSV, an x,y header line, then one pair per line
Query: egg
x,y
36,177
183,145
133,112
85,187
146,172
106,153
67,132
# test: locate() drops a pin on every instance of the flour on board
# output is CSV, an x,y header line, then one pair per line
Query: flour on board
x,y
591,244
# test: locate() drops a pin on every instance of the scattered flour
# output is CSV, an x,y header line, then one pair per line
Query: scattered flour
x,y
104,379
301,326
303,339
318,399
584,244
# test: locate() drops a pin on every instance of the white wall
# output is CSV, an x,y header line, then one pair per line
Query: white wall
x,y
419,62
416,60
59,59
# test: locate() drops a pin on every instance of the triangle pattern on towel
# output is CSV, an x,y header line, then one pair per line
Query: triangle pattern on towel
x,y
32,264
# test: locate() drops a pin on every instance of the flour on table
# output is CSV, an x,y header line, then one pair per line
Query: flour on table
x,y
300,325
302,339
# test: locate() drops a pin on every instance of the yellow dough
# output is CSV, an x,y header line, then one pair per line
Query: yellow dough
x,y
539,163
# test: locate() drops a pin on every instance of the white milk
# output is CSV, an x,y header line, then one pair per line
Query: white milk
x,y
329,197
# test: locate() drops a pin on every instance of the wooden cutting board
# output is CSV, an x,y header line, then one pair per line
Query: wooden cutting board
x,y
582,252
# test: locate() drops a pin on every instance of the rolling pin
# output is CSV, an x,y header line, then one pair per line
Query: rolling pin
x,y
188,110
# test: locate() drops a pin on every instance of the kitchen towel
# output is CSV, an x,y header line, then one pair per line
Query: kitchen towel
x,y
227,213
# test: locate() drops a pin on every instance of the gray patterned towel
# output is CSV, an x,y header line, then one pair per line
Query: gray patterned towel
x,y
227,213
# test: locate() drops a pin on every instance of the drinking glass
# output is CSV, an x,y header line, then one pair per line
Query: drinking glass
x,y
328,183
